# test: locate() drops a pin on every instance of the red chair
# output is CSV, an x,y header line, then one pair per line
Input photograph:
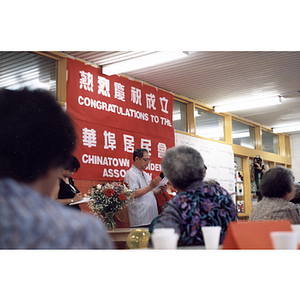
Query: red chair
x,y
253,234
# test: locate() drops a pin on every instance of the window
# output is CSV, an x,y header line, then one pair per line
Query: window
x,y
243,134
19,69
179,116
209,125
270,142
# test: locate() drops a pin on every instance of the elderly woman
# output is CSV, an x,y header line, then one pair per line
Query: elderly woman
x,y
277,188
197,203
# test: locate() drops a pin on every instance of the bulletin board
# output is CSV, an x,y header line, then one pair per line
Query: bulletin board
x,y
218,158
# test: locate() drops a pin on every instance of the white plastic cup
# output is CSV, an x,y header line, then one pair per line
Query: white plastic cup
x,y
164,240
211,236
296,228
164,230
284,240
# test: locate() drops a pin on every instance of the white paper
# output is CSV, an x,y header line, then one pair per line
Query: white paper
x,y
83,200
162,182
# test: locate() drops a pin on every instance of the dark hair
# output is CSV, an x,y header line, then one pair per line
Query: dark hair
x,y
182,165
35,134
276,182
72,164
297,194
139,153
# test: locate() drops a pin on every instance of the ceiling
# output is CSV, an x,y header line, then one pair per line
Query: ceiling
x,y
219,77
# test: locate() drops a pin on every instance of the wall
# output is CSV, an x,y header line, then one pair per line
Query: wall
x,y
295,153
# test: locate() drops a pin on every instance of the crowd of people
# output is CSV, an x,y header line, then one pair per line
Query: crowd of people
x,y
38,195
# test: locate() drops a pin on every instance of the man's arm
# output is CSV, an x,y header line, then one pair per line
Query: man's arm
x,y
142,191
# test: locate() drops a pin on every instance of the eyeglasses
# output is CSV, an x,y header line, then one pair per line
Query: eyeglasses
x,y
146,160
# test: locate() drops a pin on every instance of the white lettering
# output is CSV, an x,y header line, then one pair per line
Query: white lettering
x,y
164,104
113,108
154,167
84,158
80,100
123,173
105,161
114,173
115,162
87,101
154,118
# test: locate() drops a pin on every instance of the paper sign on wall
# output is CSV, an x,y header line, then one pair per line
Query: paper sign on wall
x,y
218,158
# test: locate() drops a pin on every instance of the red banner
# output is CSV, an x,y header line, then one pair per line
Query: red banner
x,y
113,116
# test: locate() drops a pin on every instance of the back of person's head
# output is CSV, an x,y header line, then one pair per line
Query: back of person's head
x,y
297,194
182,165
277,182
35,134
72,164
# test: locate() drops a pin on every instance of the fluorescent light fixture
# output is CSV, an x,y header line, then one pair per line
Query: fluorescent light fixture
x,y
248,104
144,61
290,128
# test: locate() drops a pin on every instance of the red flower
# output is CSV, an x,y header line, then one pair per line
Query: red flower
x,y
122,197
109,192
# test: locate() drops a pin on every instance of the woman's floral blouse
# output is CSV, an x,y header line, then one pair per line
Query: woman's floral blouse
x,y
200,205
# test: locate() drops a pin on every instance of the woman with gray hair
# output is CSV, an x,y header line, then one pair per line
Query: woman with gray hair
x,y
277,188
197,203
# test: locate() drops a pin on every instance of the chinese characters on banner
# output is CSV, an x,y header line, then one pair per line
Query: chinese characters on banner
x,y
113,116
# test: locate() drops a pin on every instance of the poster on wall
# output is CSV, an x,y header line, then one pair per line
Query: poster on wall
x,y
240,189
218,158
240,205
114,115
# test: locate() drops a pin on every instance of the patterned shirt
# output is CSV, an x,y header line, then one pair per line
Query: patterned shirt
x,y
275,209
200,205
29,220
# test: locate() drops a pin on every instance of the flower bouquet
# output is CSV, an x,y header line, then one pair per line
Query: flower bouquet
x,y
107,199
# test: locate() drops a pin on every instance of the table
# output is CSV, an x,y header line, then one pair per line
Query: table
x,y
119,236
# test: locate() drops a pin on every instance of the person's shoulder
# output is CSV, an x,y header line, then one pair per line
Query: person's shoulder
x,y
88,229
291,205
85,220
131,170
214,189
74,216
